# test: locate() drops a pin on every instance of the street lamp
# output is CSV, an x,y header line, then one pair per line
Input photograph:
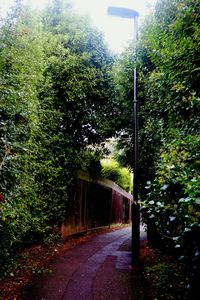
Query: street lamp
x,y
132,14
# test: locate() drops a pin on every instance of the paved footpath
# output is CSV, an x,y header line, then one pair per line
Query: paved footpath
x,y
99,269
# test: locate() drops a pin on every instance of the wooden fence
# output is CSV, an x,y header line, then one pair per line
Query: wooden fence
x,y
96,203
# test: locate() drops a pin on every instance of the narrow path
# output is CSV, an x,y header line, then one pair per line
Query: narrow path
x,y
96,270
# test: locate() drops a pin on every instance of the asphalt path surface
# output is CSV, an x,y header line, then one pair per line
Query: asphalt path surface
x,y
99,269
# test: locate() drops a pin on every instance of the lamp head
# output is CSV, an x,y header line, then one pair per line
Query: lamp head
x,y
122,12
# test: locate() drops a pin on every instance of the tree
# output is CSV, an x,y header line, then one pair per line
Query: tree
x,y
57,97
168,92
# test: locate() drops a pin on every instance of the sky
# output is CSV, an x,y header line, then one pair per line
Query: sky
x,y
117,32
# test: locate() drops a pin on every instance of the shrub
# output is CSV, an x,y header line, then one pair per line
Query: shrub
x,y
113,171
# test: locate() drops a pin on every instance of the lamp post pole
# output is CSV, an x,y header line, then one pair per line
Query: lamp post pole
x,y
132,14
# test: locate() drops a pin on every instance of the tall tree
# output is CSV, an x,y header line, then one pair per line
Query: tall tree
x,y
168,92
57,97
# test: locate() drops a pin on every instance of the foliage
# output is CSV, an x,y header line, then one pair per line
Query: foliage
x,y
57,97
165,276
174,194
90,160
123,75
168,93
112,170
173,100
21,66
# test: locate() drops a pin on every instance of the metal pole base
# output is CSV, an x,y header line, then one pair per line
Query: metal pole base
x,y
135,233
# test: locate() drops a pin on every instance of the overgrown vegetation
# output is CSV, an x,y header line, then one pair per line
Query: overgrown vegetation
x,y
57,97
164,276
168,92
112,170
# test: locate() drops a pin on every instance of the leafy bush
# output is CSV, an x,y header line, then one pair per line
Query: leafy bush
x,y
173,201
57,97
168,93
174,196
113,171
